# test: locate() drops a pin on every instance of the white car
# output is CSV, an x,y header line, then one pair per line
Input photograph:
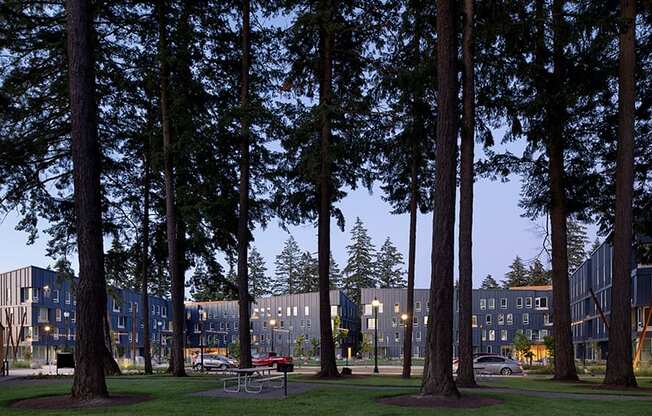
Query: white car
x,y
214,362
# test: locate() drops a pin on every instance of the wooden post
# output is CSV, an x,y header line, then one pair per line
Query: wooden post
x,y
597,304
641,338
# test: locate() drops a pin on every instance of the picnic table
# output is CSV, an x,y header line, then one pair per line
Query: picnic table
x,y
251,380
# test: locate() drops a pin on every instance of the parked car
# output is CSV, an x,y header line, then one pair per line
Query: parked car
x,y
496,364
214,362
269,360
493,364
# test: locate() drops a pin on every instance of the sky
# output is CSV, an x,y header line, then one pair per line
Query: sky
x,y
499,233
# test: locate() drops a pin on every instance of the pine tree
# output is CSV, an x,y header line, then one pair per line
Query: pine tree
x,y
596,245
308,274
336,274
517,276
258,279
577,241
287,273
537,275
360,269
489,283
389,266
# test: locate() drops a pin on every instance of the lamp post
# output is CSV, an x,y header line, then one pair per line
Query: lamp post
x,y
272,322
47,330
200,311
375,305
159,324
481,334
404,319
66,316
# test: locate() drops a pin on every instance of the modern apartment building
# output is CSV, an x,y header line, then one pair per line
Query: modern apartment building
x,y
590,296
37,311
286,318
498,315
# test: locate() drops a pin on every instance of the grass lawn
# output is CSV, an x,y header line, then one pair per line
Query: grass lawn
x,y
171,396
544,383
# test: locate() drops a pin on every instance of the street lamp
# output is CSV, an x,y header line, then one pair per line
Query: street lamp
x,y
47,330
66,316
202,317
375,305
481,335
272,322
404,319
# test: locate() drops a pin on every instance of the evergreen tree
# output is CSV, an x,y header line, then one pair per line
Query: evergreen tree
x,y
336,274
389,266
537,275
119,267
309,274
489,283
287,273
517,276
258,279
577,241
596,245
207,283
360,268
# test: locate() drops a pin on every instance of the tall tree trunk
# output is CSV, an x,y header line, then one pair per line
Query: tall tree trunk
x,y
327,353
465,373
439,379
177,286
89,382
412,253
620,371
564,356
243,220
147,347
111,367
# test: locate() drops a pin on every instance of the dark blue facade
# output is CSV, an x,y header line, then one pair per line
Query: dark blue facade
x,y
48,303
590,286
498,315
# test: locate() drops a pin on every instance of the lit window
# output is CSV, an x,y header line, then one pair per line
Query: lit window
x,y
483,304
492,303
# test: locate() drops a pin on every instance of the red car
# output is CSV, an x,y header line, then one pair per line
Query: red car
x,y
270,360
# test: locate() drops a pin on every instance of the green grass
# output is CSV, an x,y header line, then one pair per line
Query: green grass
x,y
544,383
171,396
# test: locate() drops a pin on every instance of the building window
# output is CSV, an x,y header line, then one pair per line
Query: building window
x,y
503,303
492,335
415,321
501,319
541,303
546,319
158,310
116,305
417,306
503,335
282,325
510,319
425,320
397,308
483,304
474,320
418,335
394,322
279,311
489,349
488,320
122,321
526,319
368,310
306,310
528,334
519,302
24,294
334,310
303,324
492,303
308,323
484,335
528,302
164,311
397,338
55,296
57,314
264,324
288,311
371,323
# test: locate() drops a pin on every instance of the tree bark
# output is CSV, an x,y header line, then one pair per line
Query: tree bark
x,y
147,347
243,220
327,353
177,286
407,337
564,356
89,382
620,371
465,373
438,380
